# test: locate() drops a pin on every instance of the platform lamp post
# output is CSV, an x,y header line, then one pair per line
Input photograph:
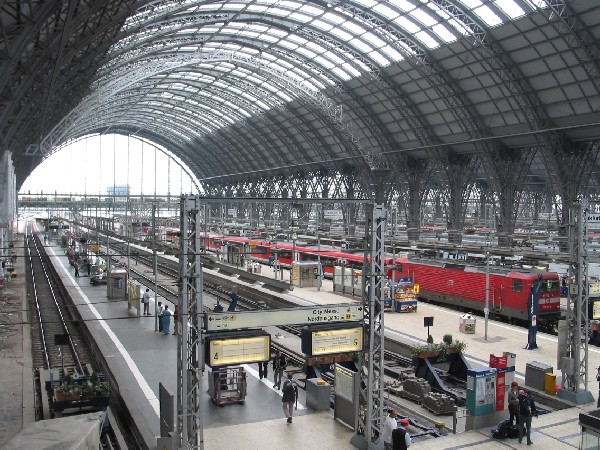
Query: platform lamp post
x,y
294,238
320,278
486,310
156,319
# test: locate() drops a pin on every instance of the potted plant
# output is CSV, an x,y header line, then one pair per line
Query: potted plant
x,y
67,391
428,350
456,347
447,339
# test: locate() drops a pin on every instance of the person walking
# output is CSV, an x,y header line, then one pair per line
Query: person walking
x,y
513,403
166,320
76,267
146,302
400,438
527,409
390,425
290,395
176,320
279,365
263,369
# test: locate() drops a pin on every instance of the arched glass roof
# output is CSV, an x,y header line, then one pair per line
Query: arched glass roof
x,y
264,86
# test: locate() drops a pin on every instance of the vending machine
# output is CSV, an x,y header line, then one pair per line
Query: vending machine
x,y
481,391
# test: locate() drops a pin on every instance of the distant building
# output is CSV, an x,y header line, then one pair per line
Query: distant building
x,y
120,190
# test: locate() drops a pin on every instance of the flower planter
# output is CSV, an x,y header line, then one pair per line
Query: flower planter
x,y
426,355
64,397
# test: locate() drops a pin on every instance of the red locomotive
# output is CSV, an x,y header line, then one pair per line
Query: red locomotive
x,y
463,285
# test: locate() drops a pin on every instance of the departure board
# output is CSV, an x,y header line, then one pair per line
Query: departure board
x,y
239,350
325,341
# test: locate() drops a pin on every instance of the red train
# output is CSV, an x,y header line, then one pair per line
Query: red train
x,y
463,285
442,281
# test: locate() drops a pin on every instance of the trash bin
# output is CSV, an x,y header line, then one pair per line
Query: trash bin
x,y
467,323
550,383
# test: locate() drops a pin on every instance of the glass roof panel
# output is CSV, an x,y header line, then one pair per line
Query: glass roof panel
x,y
426,39
379,58
488,16
510,8
392,53
385,11
342,74
443,33
423,17
302,18
343,35
322,25
407,24
403,5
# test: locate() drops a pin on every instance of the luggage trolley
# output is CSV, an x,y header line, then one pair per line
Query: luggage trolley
x,y
228,385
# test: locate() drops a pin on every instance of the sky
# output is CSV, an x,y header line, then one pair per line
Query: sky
x,y
93,164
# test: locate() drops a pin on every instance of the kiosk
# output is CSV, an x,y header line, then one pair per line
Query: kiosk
x,y
117,283
305,273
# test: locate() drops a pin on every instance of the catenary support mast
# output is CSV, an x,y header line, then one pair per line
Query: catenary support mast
x,y
190,358
574,361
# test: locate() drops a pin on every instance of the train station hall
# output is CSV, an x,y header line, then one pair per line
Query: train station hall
x,y
292,224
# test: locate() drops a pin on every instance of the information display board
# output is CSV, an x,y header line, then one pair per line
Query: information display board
x,y
228,349
325,340
288,316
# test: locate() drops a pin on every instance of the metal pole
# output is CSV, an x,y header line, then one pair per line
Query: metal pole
x,y
154,266
319,261
487,293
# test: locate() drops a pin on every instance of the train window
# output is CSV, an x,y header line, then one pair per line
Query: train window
x,y
399,267
550,286
517,285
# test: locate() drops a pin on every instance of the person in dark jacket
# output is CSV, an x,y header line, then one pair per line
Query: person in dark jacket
x,y
279,365
598,380
290,395
513,403
400,438
527,409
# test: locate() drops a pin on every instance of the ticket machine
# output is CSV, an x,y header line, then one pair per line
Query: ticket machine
x,y
481,391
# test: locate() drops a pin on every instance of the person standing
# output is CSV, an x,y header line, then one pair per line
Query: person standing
x,y
527,409
290,395
166,320
513,403
598,380
146,302
390,425
161,308
400,438
76,267
279,365
176,320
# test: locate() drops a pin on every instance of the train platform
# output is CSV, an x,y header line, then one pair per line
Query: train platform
x,y
141,358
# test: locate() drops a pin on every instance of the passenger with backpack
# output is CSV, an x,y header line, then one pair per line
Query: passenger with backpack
x,y
290,395
527,409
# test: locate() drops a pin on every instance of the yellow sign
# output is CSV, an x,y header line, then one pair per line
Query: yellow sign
x,y
337,341
95,248
416,289
226,352
252,244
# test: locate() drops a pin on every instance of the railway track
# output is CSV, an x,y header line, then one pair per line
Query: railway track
x,y
56,338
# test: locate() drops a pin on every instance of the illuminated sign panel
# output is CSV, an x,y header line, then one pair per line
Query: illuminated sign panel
x,y
233,350
288,316
328,340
